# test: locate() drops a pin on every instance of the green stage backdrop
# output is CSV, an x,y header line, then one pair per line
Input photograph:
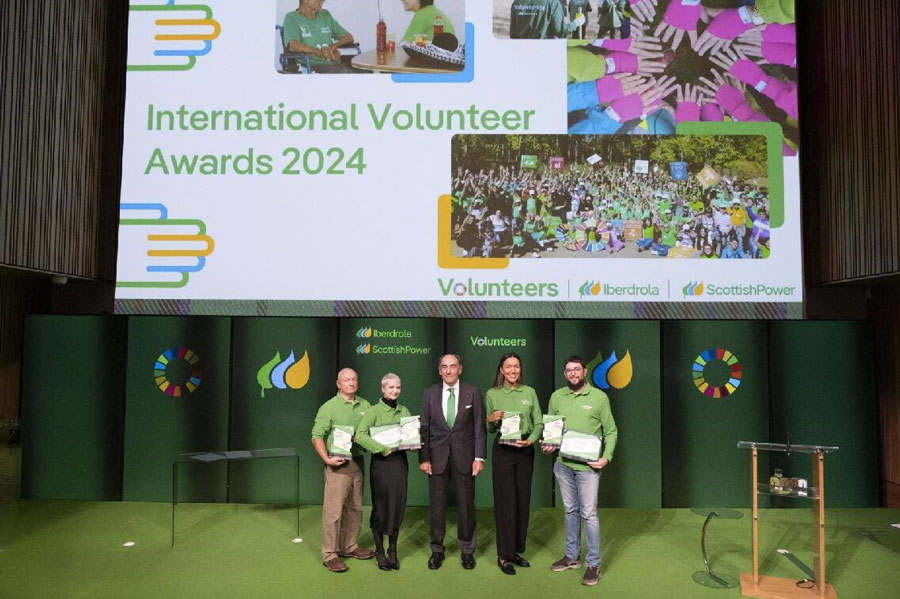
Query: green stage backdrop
x,y
623,357
85,389
702,466
822,388
73,382
480,343
282,370
159,426
408,347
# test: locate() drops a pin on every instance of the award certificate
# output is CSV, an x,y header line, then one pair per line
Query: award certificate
x,y
341,442
511,428
388,435
553,429
581,447
409,433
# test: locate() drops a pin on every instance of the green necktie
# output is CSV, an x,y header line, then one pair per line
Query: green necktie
x,y
451,408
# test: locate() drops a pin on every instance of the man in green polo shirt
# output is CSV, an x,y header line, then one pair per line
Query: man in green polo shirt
x,y
540,19
586,409
342,502
314,31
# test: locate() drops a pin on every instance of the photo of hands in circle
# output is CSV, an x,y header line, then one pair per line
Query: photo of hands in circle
x,y
687,60
643,66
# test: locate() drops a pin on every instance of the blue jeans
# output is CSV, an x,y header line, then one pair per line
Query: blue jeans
x,y
579,495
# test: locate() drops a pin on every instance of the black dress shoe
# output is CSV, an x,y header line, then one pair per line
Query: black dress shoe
x,y
506,567
382,561
392,560
468,561
521,561
436,560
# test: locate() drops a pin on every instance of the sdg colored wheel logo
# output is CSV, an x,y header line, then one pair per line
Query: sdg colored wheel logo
x,y
177,371
717,373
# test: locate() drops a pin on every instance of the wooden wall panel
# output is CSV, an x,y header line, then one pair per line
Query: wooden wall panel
x,y
849,60
61,105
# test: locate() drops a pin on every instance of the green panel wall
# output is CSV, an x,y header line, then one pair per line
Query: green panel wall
x,y
823,393
634,477
159,426
275,394
408,347
702,466
72,386
479,343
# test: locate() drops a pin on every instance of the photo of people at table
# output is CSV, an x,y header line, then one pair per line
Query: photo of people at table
x,y
558,196
354,37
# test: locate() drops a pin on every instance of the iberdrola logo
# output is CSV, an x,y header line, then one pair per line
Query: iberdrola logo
x,y
611,372
289,373
590,288
364,348
364,333
693,288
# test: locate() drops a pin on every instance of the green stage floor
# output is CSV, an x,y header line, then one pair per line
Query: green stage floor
x,y
62,549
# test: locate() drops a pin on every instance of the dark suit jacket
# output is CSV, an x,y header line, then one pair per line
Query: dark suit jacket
x,y
463,443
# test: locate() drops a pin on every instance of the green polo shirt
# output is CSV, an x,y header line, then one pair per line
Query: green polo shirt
x,y
316,33
423,24
381,414
587,411
521,399
337,411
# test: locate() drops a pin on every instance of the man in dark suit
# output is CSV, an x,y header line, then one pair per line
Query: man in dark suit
x,y
453,448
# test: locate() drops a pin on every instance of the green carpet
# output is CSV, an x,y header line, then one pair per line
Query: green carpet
x,y
51,549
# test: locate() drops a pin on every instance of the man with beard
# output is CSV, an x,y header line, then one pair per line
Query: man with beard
x,y
586,409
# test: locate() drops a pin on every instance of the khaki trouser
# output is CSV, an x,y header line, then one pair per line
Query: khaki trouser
x,y
342,509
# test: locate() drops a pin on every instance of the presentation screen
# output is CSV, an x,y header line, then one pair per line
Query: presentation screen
x,y
540,158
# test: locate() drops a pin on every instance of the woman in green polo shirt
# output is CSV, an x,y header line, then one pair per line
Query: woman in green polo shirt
x,y
512,462
387,472
427,20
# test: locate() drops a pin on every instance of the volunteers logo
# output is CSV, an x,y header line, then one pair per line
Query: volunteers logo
x,y
505,288
177,371
172,249
169,37
498,341
693,288
289,373
717,373
612,372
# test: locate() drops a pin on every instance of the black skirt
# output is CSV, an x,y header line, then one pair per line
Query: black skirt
x,y
388,476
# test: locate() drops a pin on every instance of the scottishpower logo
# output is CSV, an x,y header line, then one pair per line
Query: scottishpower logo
x,y
365,348
613,372
693,288
498,342
289,373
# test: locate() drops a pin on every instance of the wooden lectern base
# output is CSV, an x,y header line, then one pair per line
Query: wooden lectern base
x,y
773,587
